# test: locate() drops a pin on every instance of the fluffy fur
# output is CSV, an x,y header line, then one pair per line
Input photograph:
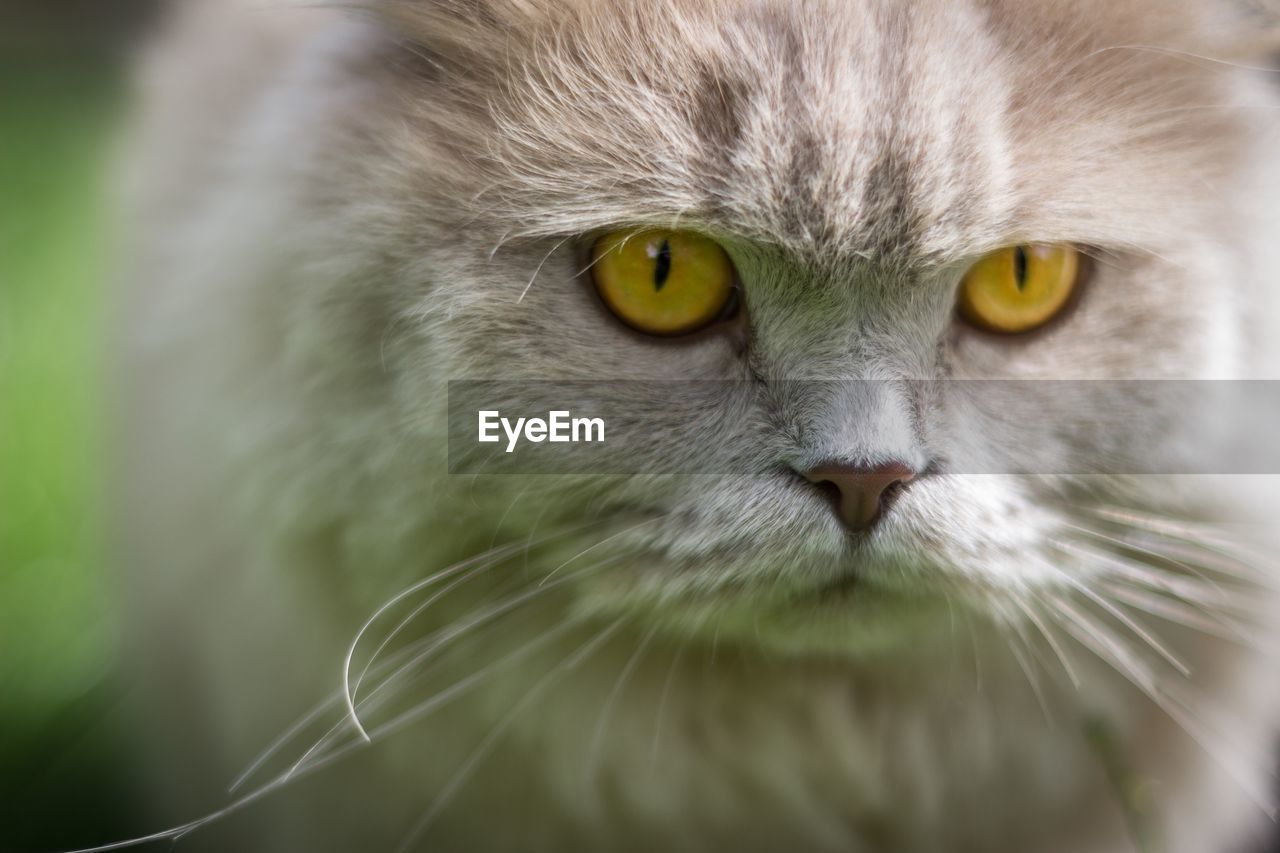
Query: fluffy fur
x,y
340,210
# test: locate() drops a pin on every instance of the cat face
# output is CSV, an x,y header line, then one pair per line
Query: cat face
x,y
853,160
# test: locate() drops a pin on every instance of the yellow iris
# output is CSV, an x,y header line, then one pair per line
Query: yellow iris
x,y
662,282
1020,288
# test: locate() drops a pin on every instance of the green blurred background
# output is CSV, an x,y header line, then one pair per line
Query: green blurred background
x,y
64,756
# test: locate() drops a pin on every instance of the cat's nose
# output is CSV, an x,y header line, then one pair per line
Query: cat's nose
x,y
861,494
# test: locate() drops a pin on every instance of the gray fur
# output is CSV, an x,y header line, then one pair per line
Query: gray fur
x,y
366,203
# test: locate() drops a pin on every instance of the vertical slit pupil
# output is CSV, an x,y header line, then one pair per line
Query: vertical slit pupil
x,y
662,266
1020,268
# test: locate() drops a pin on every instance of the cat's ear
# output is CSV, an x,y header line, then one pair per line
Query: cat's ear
x,y
466,29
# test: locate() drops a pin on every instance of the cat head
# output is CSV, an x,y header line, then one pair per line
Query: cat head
x,y
853,162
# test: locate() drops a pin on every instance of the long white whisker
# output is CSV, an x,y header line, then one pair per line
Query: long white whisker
x,y
1199,536
1101,642
662,701
408,620
593,751
486,746
391,662
279,743
1122,617
396,599
1016,649
497,528
605,541
462,685
1197,58
1209,596
1152,590
1034,618
293,774
538,271
1170,611
488,559
1097,639
1149,550
442,638
1130,545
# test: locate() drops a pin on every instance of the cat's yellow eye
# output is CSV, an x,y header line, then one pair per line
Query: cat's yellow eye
x,y
662,282
1020,288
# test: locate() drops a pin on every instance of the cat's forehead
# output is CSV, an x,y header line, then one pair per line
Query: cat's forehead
x,y
867,127
838,136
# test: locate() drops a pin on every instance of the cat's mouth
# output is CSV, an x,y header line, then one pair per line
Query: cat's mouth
x,y
840,589
858,605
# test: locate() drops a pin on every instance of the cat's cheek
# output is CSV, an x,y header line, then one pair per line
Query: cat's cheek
x,y
987,530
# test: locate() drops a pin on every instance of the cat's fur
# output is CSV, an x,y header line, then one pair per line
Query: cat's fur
x,y
340,210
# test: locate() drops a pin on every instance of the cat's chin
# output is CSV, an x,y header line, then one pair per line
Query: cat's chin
x,y
852,615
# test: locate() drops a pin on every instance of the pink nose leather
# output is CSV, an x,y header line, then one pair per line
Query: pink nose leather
x,y
861,493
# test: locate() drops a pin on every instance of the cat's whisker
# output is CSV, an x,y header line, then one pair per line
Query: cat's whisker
x,y
548,505
1233,562
1185,583
1033,621
297,728
977,657
1198,592
1030,610
1170,611
408,620
315,758
379,696
388,333
462,685
1232,608
445,636
1209,108
593,751
1019,648
1102,642
442,638
1210,600
591,548
486,746
1053,84
1212,743
502,520
355,744
472,565
313,715
529,544
1218,562
1095,637
502,241
663,697
1143,548
425,707
1118,614
1200,59
1200,535
538,270
951,624
595,260
482,559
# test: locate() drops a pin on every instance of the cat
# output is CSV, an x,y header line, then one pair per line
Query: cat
x,y
337,210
